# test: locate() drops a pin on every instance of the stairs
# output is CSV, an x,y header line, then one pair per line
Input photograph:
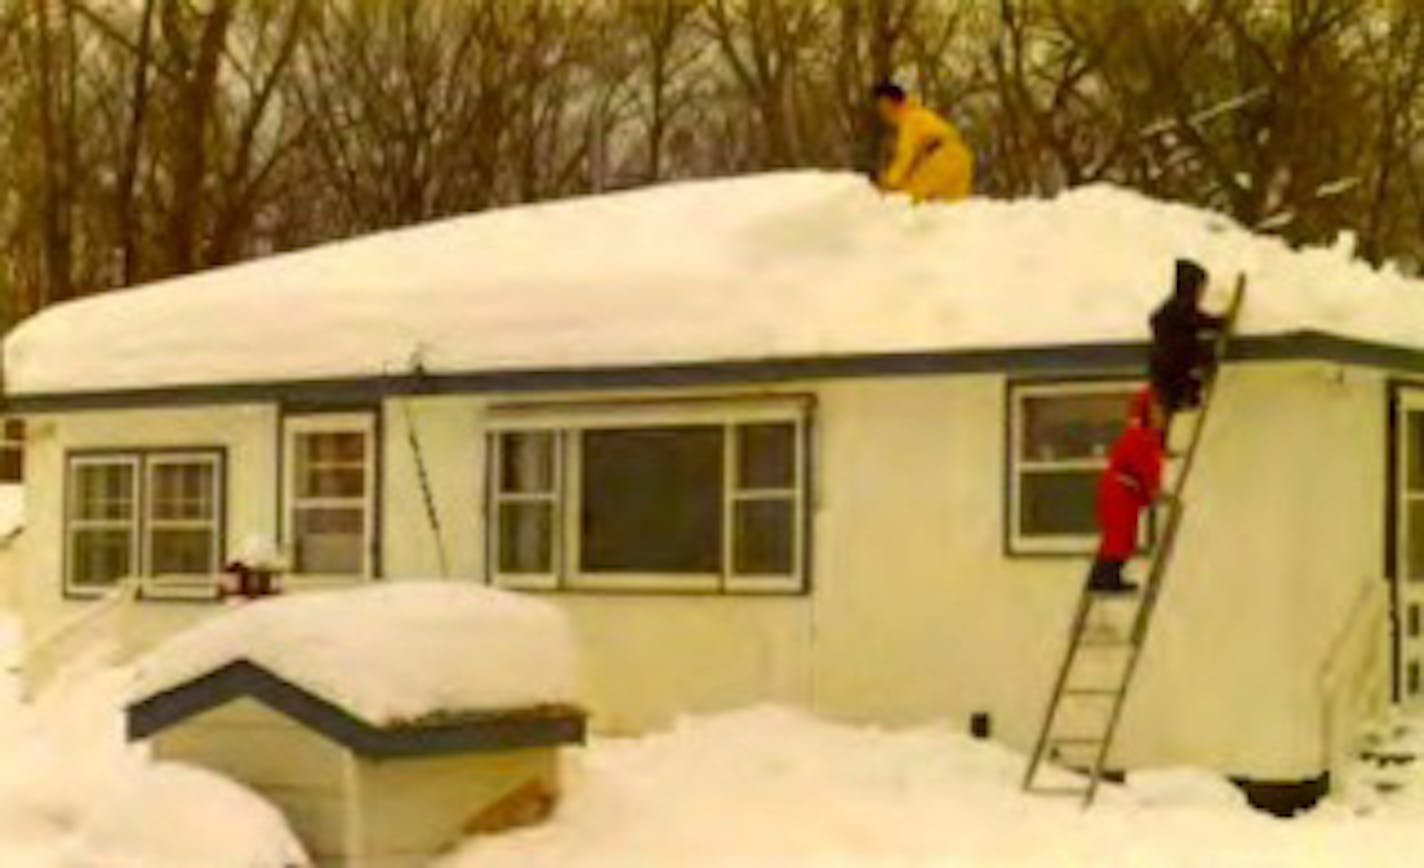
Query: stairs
x,y
1389,767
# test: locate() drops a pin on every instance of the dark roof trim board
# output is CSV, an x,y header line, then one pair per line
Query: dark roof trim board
x,y
543,727
1067,359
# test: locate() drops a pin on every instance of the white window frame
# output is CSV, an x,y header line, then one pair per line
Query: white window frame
x,y
294,426
183,584
141,463
499,498
1019,393
73,524
1409,591
571,421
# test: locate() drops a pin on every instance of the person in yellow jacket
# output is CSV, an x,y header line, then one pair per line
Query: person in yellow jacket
x,y
931,161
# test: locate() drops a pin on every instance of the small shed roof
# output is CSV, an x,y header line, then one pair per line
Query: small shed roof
x,y
390,655
780,268
507,729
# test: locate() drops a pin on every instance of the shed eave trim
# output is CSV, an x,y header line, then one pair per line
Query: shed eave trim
x,y
244,679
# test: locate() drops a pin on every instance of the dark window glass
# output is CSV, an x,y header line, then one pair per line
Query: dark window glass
x,y
1415,548
1414,447
1071,427
102,556
765,537
766,456
652,500
1058,503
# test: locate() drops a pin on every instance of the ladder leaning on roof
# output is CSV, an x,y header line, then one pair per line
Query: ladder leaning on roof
x,y
1096,745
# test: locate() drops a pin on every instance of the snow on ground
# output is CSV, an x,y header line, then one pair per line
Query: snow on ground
x,y
388,652
772,788
781,265
73,794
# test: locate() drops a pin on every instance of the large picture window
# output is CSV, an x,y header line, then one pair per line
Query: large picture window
x,y
697,498
155,515
1060,437
330,487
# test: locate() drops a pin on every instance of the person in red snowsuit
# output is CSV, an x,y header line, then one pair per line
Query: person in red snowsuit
x,y
1131,483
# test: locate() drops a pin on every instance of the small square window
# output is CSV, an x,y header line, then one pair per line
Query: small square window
x,y
1062,435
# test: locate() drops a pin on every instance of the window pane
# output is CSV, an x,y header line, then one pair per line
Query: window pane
x,y
1414,449
527,462
765,537
342,483
104,492
652,500
330,541
182,553
183,492
12,464
331,464
526,538
766,456
1415,543
101,557
1058,503
15,430
1068,427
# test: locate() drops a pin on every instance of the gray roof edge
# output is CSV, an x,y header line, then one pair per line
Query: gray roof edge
x,y
1057,359
511,730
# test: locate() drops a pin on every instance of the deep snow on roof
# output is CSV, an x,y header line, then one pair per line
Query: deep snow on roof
x,y
782,265
389,652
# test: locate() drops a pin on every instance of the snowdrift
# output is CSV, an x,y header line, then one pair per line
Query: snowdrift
x,y
387,653
781,265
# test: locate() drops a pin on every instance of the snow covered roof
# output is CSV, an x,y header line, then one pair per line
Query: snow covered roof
x,y
788,265
387,654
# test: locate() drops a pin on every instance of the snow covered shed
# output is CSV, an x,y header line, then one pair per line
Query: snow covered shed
x,y
772,438
387,723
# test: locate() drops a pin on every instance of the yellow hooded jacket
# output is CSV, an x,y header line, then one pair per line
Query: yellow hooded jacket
x,y
931,161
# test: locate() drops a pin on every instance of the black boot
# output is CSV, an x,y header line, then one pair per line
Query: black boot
x,y
1106,578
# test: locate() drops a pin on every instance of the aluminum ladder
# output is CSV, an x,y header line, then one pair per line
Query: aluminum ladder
x,y
1094,745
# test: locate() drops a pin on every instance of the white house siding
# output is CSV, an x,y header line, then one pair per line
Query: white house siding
x,y
916,613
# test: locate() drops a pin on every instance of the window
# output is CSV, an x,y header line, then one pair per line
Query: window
x,y
146,514
1060,438
12,451
330,487
695,498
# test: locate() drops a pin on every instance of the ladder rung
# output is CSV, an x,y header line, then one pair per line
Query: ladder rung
x,y
1077,792
1076,740
1091,691
1114,642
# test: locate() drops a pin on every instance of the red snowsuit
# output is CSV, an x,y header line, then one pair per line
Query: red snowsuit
x,y
1131,482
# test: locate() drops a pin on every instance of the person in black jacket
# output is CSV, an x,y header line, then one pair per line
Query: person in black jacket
x,y
1182,335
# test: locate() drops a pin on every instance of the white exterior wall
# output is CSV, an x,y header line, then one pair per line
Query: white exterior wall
x,y
916,612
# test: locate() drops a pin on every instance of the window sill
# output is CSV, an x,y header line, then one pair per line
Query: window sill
x,y
657,585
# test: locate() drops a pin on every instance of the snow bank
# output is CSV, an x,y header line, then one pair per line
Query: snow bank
x,y
168,815
390,652
75,794
771,787
779,265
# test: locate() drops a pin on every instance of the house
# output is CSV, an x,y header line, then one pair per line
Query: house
x,y
768,439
